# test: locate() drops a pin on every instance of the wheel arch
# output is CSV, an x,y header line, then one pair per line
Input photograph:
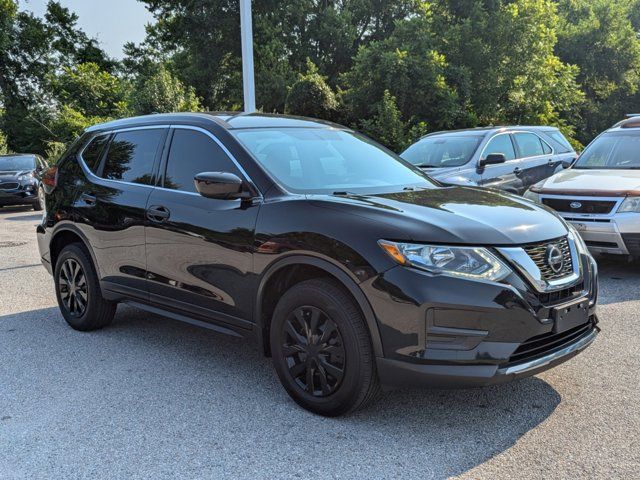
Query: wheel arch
x,y
65,235
329,270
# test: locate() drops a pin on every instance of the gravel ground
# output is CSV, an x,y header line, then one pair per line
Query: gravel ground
x,y
153,398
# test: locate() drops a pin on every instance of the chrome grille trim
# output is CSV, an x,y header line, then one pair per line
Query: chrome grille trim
x,y
538,254
529,268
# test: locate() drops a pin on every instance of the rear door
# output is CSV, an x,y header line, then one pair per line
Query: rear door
x,y
199,251
504,176
110,206
536,158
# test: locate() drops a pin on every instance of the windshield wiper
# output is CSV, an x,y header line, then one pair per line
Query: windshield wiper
x,y
428,165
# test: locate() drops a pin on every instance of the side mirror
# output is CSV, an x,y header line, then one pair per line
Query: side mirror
x,y
492,159
567,163
219,185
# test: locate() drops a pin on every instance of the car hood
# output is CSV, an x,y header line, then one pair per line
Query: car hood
x,y
592,182
456,215
448,176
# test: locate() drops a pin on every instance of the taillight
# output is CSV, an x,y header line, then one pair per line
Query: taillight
x,y
50,179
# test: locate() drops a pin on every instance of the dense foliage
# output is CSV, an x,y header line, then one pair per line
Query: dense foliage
x,y
394,69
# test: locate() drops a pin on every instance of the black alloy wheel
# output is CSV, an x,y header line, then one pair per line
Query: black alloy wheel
x,y
322,349
72,284
78,290
314,350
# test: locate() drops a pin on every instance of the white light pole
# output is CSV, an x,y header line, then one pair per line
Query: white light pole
x,y
246,32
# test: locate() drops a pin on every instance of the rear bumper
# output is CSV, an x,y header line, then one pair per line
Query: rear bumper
x,y
394,373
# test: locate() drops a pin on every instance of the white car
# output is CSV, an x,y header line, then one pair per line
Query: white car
x,y
600,193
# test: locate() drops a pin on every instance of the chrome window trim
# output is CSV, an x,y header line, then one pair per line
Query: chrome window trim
x,y
519,258
553,151
517,159
92,175
244,173
169,127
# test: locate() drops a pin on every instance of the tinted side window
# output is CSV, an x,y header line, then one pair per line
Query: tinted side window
x,y
92,154
131,156
560,138
191,153
528,144
500,144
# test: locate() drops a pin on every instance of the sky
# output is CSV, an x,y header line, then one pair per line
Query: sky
x,y
112,22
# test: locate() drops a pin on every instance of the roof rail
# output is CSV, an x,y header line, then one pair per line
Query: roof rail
x,y
631,115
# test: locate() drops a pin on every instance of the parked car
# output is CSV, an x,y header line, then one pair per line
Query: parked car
x,y
349,266
508,158
600,193
20,180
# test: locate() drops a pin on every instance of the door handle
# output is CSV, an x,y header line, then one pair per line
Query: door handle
x,y
88,199
517,171
158,213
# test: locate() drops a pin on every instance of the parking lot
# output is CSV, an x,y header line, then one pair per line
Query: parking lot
x,y
153,398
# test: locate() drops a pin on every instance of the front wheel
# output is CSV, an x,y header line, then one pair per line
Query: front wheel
x,y
38,205
78,290
321,349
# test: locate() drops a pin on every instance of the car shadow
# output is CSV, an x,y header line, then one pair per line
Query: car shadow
x,y
150,379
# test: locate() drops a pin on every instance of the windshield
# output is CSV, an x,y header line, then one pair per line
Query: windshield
x,y
314,160
17,163
442,151
614,150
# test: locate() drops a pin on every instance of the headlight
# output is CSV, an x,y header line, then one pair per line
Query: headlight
x,y
582,247
630,204
466,262
25,177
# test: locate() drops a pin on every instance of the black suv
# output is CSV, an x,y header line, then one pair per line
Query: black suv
x,y
20,180
350,267
508,158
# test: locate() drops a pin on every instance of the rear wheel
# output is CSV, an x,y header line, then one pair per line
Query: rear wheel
x,y
322,350
78,290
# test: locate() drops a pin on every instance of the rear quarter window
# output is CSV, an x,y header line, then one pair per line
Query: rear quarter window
x,y
561,143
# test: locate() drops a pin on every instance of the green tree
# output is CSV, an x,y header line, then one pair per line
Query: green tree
x,y
4,148
31,50
407,66
598,36
311,96
90,90
162,92
502,62
386,124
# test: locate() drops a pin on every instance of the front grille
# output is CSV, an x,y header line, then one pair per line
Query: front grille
x,y
632,241
538,254
552,298
547,343
9,186
580,206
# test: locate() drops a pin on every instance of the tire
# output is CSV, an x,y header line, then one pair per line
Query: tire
x,y
317,327
38,205
78,290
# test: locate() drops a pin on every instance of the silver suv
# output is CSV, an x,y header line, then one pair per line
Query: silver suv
x,y
600,193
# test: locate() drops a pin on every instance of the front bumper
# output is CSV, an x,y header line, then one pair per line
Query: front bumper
x,y
616,234
22,194
448,332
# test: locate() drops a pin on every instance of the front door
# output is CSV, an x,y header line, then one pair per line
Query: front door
x,y
199,250
505,176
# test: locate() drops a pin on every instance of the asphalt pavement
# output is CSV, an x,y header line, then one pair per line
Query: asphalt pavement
x,y
152,398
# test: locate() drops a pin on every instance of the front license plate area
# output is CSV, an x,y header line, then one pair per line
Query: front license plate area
x,y
570,315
